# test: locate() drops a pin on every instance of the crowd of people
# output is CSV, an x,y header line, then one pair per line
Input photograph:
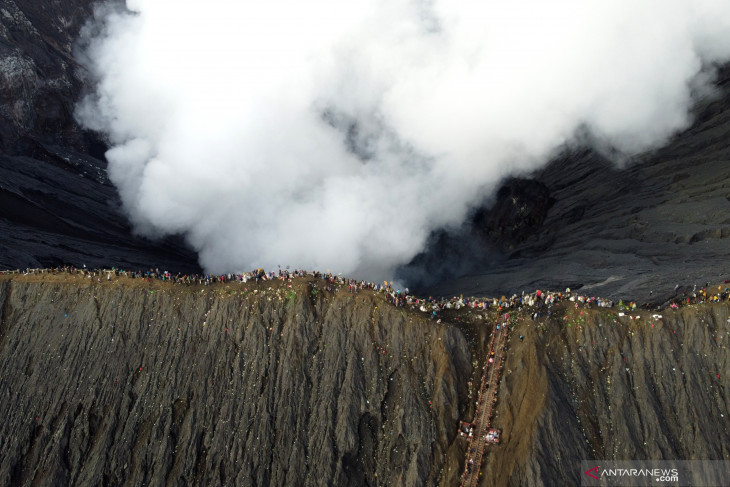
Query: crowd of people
x,y
538,301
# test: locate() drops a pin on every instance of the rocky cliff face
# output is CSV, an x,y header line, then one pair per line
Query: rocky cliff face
x,y
129,384
584,222
593,385
39,77
135,383
56,203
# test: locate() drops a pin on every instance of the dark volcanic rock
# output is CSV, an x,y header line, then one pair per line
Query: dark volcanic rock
x,y
56,204
53,214
39,78
635,232
581,221
518,213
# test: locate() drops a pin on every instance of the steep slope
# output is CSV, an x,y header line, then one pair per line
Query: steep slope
x,y
588,384
56,203
40,78
135,383
635,232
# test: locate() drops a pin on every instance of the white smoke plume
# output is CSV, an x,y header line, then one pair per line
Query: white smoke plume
x,y
337,135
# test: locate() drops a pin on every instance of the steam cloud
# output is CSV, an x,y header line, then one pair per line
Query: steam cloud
x,y
337,135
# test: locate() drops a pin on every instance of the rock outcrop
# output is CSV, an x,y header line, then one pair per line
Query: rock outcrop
x,y
56,203
39,76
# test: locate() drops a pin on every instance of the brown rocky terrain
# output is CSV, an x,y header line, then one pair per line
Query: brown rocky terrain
x,y
593,385
135,383
118,384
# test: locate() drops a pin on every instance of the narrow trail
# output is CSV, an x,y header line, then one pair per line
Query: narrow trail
x,y
481,434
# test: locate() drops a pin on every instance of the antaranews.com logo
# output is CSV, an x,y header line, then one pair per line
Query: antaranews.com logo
x,y
646,473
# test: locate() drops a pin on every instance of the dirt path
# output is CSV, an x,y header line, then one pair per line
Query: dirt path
x,y
487,399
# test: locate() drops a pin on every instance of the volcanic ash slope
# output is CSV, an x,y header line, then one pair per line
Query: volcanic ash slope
x,y
135,383
128,384
590,384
